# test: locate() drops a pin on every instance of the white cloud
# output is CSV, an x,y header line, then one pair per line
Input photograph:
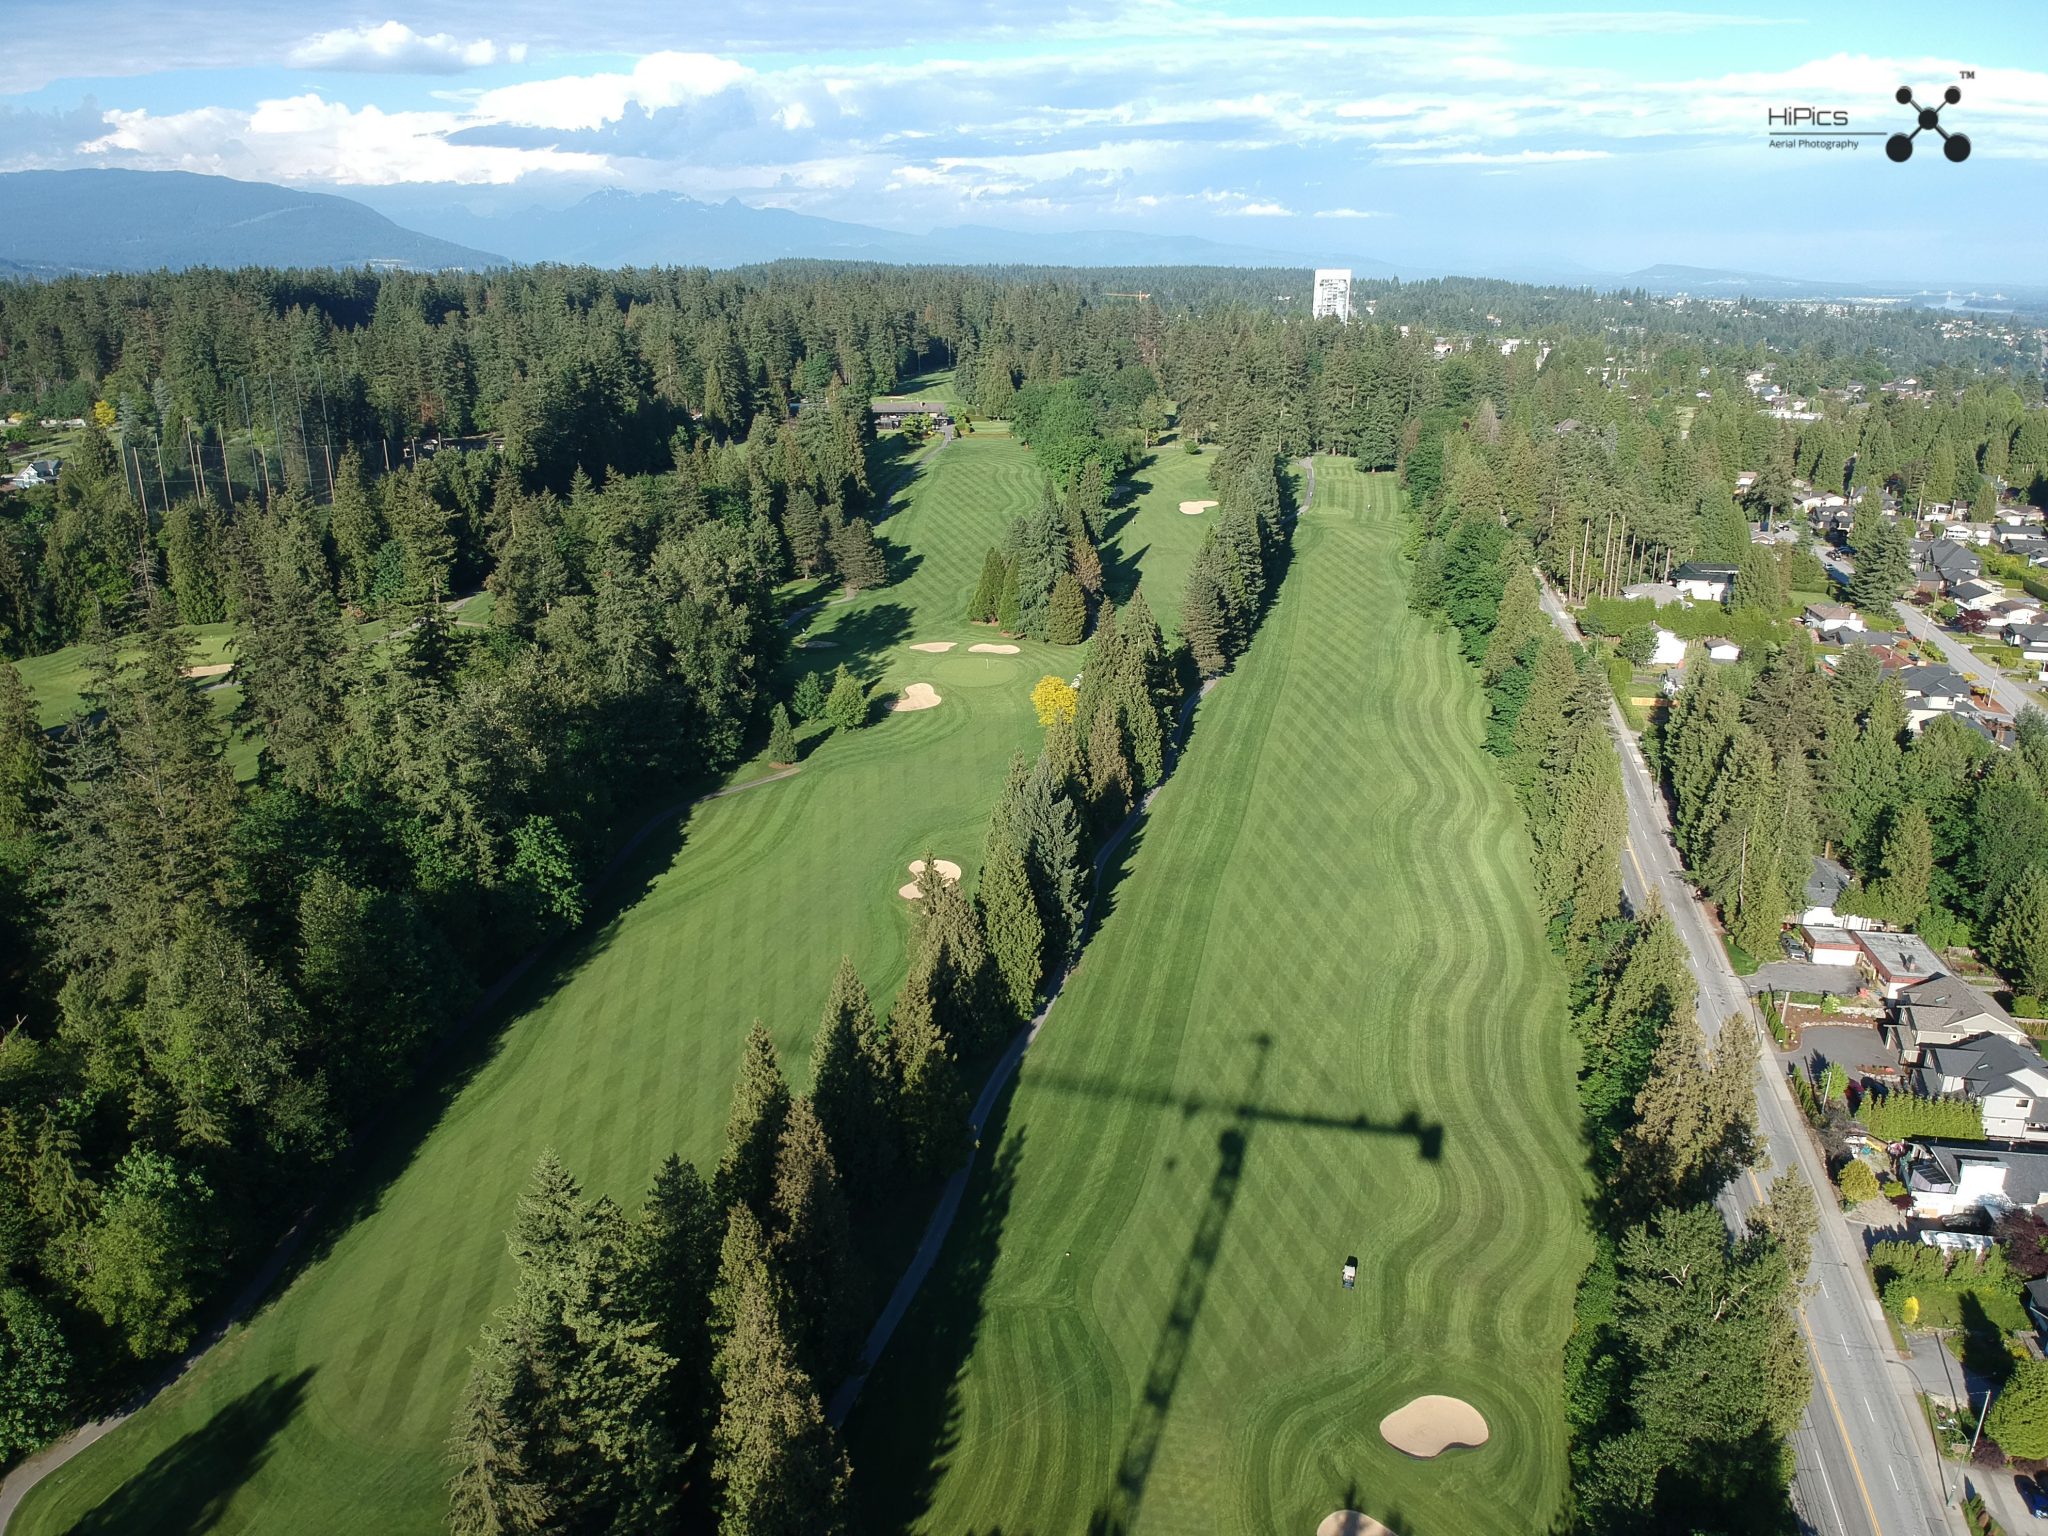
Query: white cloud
x,y
590,101
309,139
1511,157
394,48
1348,213
1264,211
794,116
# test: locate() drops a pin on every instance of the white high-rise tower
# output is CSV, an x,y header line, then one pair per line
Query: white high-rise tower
x,y
1333,293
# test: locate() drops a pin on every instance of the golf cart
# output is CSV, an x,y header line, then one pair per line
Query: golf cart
x,y
1351,1272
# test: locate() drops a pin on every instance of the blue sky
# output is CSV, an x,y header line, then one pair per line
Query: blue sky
x,y
1470,137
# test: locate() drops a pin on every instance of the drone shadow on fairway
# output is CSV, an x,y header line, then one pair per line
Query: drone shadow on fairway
x,y
187,1485
1117,1513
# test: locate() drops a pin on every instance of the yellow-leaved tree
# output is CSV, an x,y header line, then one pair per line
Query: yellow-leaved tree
x,y
1054,699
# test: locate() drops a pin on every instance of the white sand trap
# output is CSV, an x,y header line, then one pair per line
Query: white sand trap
x,y
1195,508
948,872
916,696
1429,1426
217,669
935,647
1349,1522
995,650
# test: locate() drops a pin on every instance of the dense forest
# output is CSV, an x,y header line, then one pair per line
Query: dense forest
x,y
211,986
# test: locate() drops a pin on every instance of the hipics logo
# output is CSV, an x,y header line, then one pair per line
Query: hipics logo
x,y
1808,117
1955,145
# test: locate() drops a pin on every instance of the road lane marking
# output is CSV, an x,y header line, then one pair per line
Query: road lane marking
x,y
1834,1407
1868,1413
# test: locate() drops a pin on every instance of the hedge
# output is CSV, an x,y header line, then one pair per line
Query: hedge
x,y
1898,1116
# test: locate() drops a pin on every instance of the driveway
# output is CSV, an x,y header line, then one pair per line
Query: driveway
x,y
1859,1047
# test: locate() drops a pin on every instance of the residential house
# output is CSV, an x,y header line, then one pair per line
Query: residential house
x,y
1719,649
1829,946
1704,583
1931,689
1831,618
1977,596
1947,565
2008,1081
1668,651
1895,961
2014,610
2032,640
2030,547
1946,1178
1824,886
1662,593
39,472
1945,1010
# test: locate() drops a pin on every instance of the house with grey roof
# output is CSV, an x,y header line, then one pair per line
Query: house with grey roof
x,y
1931,689
1946,1010
1946,1178
1702,582
2009,1081
1825,882
1946,564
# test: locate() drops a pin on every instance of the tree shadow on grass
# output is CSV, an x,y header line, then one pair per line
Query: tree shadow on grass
x,y
906,1428
187,1485
862,638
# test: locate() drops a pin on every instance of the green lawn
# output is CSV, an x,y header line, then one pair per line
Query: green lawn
x,y
1150,531
1327,928
328,1412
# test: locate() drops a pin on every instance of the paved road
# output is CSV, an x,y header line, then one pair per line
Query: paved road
x,y
1865,1463
2010,696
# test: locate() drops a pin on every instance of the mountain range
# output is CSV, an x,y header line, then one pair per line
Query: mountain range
x,y
116,220
120,220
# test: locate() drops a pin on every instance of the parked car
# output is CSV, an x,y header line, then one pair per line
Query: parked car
x,y
1789,942
1351,1272
2033,1495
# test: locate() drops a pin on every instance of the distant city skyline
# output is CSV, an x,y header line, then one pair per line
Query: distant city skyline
x,y
1474,138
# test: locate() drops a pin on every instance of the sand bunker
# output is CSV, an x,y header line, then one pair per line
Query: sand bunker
x,y
948,872
935,646
1429,1426
1349,1522
916,696
994,650
1195,508
217,669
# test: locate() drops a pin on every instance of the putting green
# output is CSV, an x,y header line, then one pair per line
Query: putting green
x,y
1319,1020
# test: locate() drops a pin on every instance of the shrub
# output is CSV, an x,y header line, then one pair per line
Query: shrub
x,y
35,1372
1856,1182
846,708
2018,1421
2028,1006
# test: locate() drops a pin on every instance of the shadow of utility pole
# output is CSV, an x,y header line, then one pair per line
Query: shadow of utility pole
x,y
1118,1513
